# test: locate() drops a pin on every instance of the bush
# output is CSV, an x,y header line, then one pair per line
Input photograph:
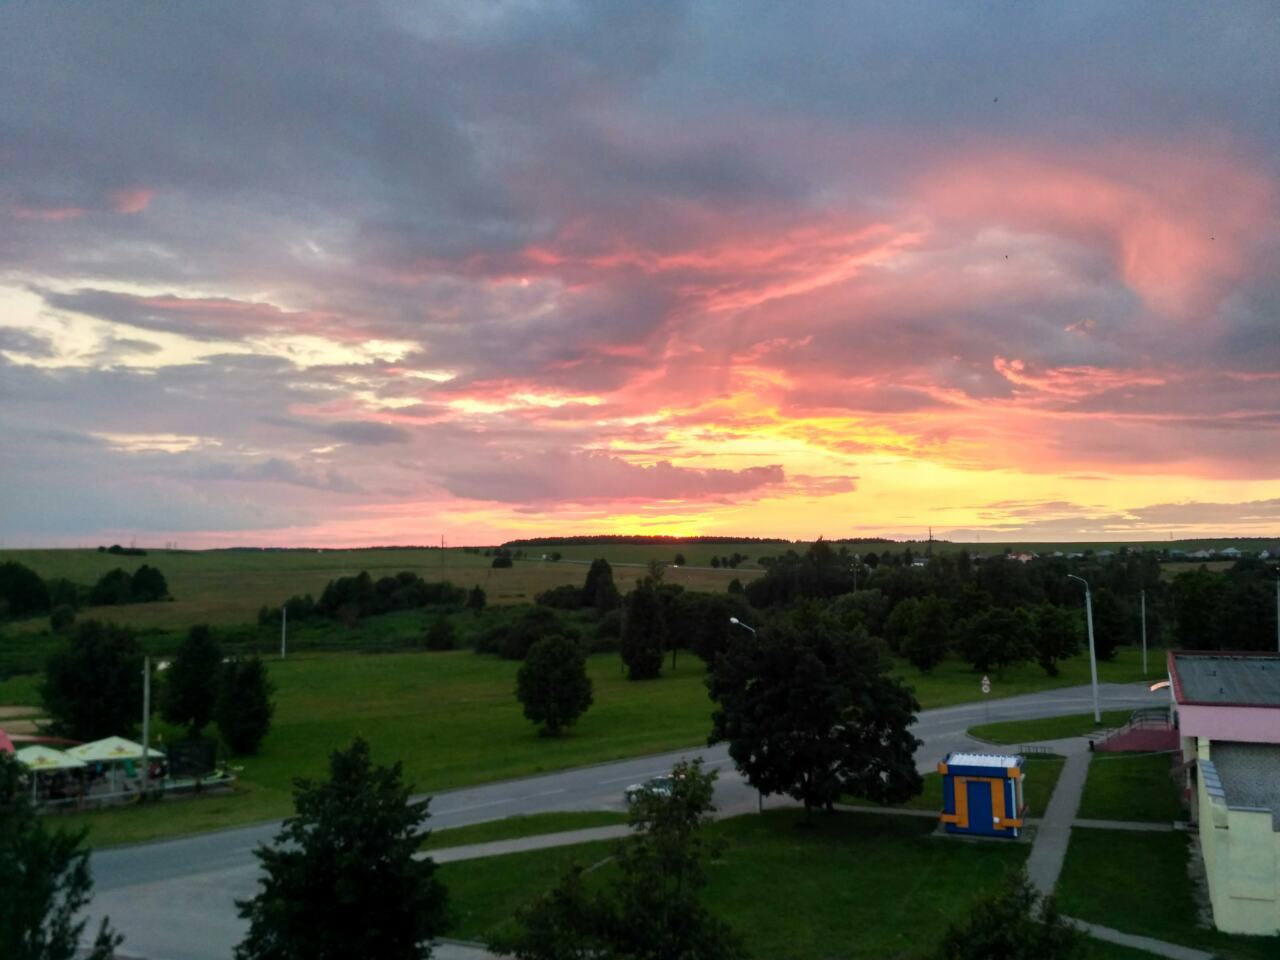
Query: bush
x,y
61,618
500,563
553,685
476,599
512,640
21,590
565,597
441,635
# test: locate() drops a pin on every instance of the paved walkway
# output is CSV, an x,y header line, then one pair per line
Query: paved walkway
x,y
1050,846
1175,951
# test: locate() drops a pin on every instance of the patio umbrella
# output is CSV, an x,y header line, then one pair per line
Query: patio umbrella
x,y
111,749
40,759
6,745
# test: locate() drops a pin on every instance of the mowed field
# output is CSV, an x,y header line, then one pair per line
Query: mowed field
x,y
227,587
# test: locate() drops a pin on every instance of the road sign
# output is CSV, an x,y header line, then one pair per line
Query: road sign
x,y
986,684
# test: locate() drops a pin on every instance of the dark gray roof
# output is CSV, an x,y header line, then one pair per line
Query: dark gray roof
x,y
1250,680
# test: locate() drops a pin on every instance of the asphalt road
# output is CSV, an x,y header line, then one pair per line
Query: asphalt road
x,y
174,900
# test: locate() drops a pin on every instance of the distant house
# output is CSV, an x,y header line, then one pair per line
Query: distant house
x,y
1200,555
1231,553
1023,557
1105,554
1228,715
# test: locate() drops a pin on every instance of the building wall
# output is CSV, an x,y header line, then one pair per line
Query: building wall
x,y
1241,858
1240,724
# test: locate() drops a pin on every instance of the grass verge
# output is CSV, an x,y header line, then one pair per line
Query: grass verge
x,y
531,825
1138,883
850,885
1047,728
1130,786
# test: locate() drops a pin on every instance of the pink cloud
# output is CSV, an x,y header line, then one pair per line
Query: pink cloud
x,y
130,199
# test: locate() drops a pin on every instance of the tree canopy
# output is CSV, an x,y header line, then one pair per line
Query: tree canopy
x,y
808,709
93,688
244,708
644,632
341,880
44,881
191,682
552,684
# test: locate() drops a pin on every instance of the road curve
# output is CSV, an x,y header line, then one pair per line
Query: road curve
x,y
174,899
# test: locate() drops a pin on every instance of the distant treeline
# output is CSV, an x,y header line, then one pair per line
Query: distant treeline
x,y
116,550
24,593
635,541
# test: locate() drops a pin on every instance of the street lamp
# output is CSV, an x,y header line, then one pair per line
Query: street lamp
x,y
738,623
1093,659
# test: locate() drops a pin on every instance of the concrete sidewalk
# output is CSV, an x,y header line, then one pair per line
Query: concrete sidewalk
x,y
1054,833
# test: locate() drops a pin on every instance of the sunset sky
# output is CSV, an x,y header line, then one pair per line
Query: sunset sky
x,y
355,273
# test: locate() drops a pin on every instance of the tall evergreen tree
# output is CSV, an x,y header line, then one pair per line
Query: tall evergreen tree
x,y
244,709
476,599
191,683
644,632
599,590
342,879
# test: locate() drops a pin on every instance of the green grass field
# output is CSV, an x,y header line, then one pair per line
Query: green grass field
x,y
226,587
1138,883
850,885
1131,786
532,825
1047,728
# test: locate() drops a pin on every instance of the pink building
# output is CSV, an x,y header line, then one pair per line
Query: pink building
x,y
1227,707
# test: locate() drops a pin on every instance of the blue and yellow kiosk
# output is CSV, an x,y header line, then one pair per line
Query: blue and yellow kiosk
x,y
982,794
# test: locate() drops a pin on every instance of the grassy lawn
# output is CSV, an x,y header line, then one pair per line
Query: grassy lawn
x,y
1138,883
953,682
1042,777
849,886
532,825
452,718
21,691
1047,728
1130,786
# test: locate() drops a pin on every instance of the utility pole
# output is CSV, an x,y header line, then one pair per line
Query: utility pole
x,y
146,723
1144,633
1278,608
1093,658
284,628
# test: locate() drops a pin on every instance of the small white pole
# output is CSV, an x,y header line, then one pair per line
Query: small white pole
x,y
284,627
146,723
1278,609
1144,633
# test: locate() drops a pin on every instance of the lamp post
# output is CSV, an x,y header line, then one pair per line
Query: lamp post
x,y
1144,633
1093,659
738,623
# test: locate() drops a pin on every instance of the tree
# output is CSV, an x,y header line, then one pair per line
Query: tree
x,y
113,587
809,709
599,590
996,638
342,879
679,560
148,584
441,635
476,599
929,637
93,688
44,881
501,563
1016,924
1196,598
735,586
244,709
653,909
1056,637
553,685
644,632
21,591
191,684
1111,624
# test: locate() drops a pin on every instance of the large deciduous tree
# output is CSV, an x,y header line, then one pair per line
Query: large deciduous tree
x,y
553,685
996,638
808,709
644,632
44,881
22,591
1056,636
191,683
93,688
342,879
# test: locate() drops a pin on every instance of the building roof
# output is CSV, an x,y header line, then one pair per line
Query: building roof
x,y
1225,679
983,760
